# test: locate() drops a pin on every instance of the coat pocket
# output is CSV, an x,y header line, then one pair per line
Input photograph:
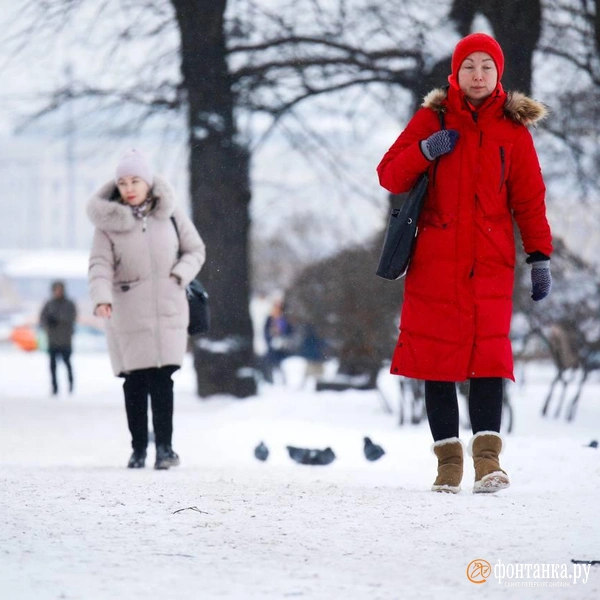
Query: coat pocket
x,y
502,167
498,240
126,285
494,175
172,301
435,237
132,305
436,219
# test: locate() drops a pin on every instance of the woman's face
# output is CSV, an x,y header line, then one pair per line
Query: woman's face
x,y
134,190
478,77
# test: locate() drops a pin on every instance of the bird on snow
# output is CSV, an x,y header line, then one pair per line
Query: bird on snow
x,y
306,456
593,444
372,451
261,452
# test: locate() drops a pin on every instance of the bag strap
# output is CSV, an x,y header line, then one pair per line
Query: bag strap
x,y
178,238
442,113
442,118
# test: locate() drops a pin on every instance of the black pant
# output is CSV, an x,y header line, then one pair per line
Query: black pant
x,y
65,355
156,383
485,406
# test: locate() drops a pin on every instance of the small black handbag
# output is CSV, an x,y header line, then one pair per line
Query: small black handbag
x,y
199,310
402,230
197,297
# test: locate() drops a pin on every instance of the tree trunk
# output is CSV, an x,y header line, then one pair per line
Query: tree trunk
x,y
597,25
220,194
517,26
462,14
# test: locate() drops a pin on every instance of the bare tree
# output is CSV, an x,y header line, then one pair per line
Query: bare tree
x,y
258,61
572,33
570,38
220,191
517,27
220,61
219,185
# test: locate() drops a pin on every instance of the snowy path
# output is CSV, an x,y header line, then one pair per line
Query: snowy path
x,y
74,524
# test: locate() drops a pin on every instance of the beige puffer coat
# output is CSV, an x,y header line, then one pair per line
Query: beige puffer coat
x,y
131,263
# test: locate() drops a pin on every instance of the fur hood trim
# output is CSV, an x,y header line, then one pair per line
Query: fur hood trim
x,y
111,215
518,107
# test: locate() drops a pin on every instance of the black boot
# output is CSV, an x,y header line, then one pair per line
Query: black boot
x,y
137,460
165,457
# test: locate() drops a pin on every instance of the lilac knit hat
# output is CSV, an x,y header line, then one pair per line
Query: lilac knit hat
x,y
134,163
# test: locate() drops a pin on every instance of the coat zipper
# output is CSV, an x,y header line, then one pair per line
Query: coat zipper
x,y
435,166
437,160
154,294
472,270
502,167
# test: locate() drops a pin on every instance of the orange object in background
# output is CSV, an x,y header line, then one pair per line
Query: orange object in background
x,y
25,338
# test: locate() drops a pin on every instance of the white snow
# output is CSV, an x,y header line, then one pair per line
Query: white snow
x,y
76,524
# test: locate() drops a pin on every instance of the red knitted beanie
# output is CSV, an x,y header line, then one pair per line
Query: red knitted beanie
x,y
475,42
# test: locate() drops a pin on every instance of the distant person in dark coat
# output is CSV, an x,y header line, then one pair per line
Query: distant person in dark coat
x,y
278,332
314,350
58,321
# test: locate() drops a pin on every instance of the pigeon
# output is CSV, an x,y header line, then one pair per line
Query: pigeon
x,y
593,444
372,451
306,456
261,452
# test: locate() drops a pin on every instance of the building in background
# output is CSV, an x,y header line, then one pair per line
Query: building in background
x,y
42,207
46,187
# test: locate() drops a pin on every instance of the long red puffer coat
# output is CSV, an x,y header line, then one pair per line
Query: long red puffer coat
x,y
457,306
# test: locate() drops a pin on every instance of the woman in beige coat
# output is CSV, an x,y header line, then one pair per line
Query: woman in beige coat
x,y
140,265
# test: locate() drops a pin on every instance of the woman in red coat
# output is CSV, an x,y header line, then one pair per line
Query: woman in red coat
x,y
457,308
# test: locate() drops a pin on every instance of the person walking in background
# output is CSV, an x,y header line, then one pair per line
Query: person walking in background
x,y
455,322
278,331
139,268
57,319
314,350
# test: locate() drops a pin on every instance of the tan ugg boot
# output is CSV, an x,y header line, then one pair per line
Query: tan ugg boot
x,y
485,447
449,453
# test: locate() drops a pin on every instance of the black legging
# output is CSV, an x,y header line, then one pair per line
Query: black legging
x,y
65,355
157,383
485,406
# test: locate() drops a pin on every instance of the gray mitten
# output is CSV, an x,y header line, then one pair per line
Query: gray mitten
x,y
438,143
541,280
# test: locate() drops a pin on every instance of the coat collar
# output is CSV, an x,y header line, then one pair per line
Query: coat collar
x,y
517,106
111,215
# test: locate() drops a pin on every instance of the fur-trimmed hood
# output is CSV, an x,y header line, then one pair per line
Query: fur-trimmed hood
x,y
517,106
111,215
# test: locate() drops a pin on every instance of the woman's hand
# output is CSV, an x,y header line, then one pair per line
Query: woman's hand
x,y
541,280
104,311
439,143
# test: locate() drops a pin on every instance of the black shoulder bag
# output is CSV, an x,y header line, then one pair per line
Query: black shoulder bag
x,y
402,229
197,297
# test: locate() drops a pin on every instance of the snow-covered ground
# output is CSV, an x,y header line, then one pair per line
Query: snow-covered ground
x,y
75,524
